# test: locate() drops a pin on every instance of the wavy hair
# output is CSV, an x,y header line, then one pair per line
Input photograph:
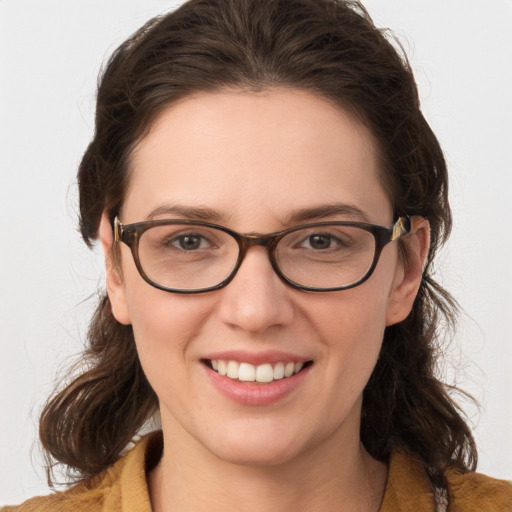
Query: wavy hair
x,y
330,48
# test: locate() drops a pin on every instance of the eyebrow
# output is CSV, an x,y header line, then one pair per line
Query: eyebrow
x,y
325,211
204,213
187,212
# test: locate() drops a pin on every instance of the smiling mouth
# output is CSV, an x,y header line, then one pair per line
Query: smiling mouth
x,y
263,373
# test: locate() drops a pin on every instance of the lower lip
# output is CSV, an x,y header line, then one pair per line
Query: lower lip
x,y
253,393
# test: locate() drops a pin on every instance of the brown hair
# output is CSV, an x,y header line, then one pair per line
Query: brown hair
x,y
330,48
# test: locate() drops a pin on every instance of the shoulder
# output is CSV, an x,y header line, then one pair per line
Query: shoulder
x,y
409,488
121,485
474,492
86,496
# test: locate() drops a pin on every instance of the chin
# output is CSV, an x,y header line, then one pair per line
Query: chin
x,y
257,447
257,455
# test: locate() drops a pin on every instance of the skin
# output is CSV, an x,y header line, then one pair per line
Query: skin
x,y
256,158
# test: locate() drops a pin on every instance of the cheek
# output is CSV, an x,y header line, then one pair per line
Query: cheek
x,y
351,328
161,318
163,325
355,315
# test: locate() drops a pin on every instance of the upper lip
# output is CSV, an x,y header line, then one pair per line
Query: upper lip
x,y
257,358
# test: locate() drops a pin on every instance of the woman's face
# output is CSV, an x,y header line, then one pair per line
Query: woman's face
x,y
258,162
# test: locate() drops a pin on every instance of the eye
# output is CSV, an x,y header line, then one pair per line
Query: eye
x,y
319,241
178,240
323,241
189,242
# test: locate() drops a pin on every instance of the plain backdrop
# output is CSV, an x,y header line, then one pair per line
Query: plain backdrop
x,y
50,54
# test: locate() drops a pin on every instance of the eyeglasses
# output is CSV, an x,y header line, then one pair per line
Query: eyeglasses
x,y
183,256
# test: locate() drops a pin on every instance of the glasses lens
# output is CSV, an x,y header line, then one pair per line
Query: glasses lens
x,y
187,257
326,256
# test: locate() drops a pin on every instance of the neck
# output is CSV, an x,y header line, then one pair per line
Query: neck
x,y
336,475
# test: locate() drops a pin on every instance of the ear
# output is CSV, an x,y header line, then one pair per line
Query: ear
x,y
408,278
115,285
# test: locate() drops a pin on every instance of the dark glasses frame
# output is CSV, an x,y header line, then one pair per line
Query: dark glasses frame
x,y
130,234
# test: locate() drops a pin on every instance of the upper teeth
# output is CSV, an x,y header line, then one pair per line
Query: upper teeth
x,y
249,373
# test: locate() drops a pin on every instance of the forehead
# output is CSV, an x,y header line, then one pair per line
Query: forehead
x,y
258,155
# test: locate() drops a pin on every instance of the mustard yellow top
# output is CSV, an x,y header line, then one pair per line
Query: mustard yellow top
x,y
123,488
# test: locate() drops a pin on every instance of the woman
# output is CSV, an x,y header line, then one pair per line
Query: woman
x,y
270,200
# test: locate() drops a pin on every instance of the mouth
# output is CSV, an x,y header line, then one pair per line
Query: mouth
x,y
263,373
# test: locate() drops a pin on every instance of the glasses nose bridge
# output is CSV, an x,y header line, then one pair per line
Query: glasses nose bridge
x,y
255,239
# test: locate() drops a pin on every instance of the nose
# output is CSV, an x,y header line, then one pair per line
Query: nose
x,y
256,299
